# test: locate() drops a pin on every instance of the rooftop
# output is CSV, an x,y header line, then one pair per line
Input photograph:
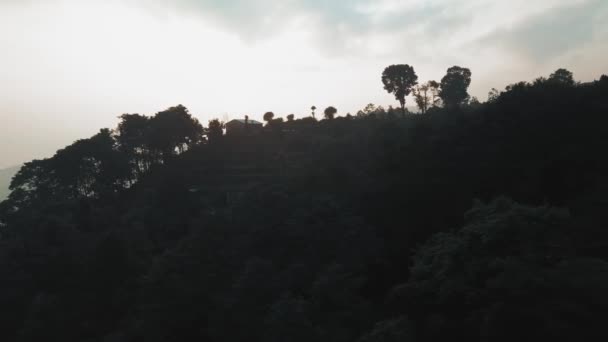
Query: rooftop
x,y
252,122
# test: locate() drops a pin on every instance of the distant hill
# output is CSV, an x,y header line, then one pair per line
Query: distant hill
x,y
483,222
5,179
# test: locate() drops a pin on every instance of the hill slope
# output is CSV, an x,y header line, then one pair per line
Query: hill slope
x,y
357,229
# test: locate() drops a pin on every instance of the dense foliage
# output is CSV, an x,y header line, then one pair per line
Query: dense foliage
x,y
475,221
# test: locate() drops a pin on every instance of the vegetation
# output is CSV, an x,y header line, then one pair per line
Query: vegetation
x,y
399,81
475,221
427,96
330,112
268,116
454,86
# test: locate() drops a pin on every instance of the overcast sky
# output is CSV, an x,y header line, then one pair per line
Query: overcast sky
x,y
70,67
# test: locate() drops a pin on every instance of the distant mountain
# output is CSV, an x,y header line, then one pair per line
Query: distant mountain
x,y
5,180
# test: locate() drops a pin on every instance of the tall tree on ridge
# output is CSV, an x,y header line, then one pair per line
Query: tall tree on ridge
x,y
562,76
454,86
399,81
268,116
330,112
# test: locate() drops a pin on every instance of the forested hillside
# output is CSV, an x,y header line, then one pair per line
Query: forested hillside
x,y
473,221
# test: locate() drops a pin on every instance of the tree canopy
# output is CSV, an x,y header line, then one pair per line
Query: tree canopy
x,y
268,116
426,95
562,76
330,112
454,86
399,81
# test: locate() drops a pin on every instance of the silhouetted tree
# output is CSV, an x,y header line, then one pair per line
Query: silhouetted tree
x,y
268,116
454,86
369,108
493,95
290,117
421,97
133,134
562,76
88,168
330,112
174,131
313,108
215,131
540,81
399,80
425,95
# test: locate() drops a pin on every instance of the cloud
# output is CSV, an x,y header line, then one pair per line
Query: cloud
x,y
330,23
261,18
338,26
554,33
418,28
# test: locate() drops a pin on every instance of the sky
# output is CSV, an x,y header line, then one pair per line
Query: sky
x,y
71,67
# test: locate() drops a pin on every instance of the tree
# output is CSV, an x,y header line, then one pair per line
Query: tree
x,y
133,134
173,131
454,86
330,112
369,108
290,117
399,80
268,116
313,108
425,95
513,263
89,168
131,131
562,76
539,81
215,131
493,95
434,87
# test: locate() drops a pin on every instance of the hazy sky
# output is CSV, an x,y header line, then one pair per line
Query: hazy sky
x,y
70,67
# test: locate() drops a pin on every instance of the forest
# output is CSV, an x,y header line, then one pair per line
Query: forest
x,y
468,220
